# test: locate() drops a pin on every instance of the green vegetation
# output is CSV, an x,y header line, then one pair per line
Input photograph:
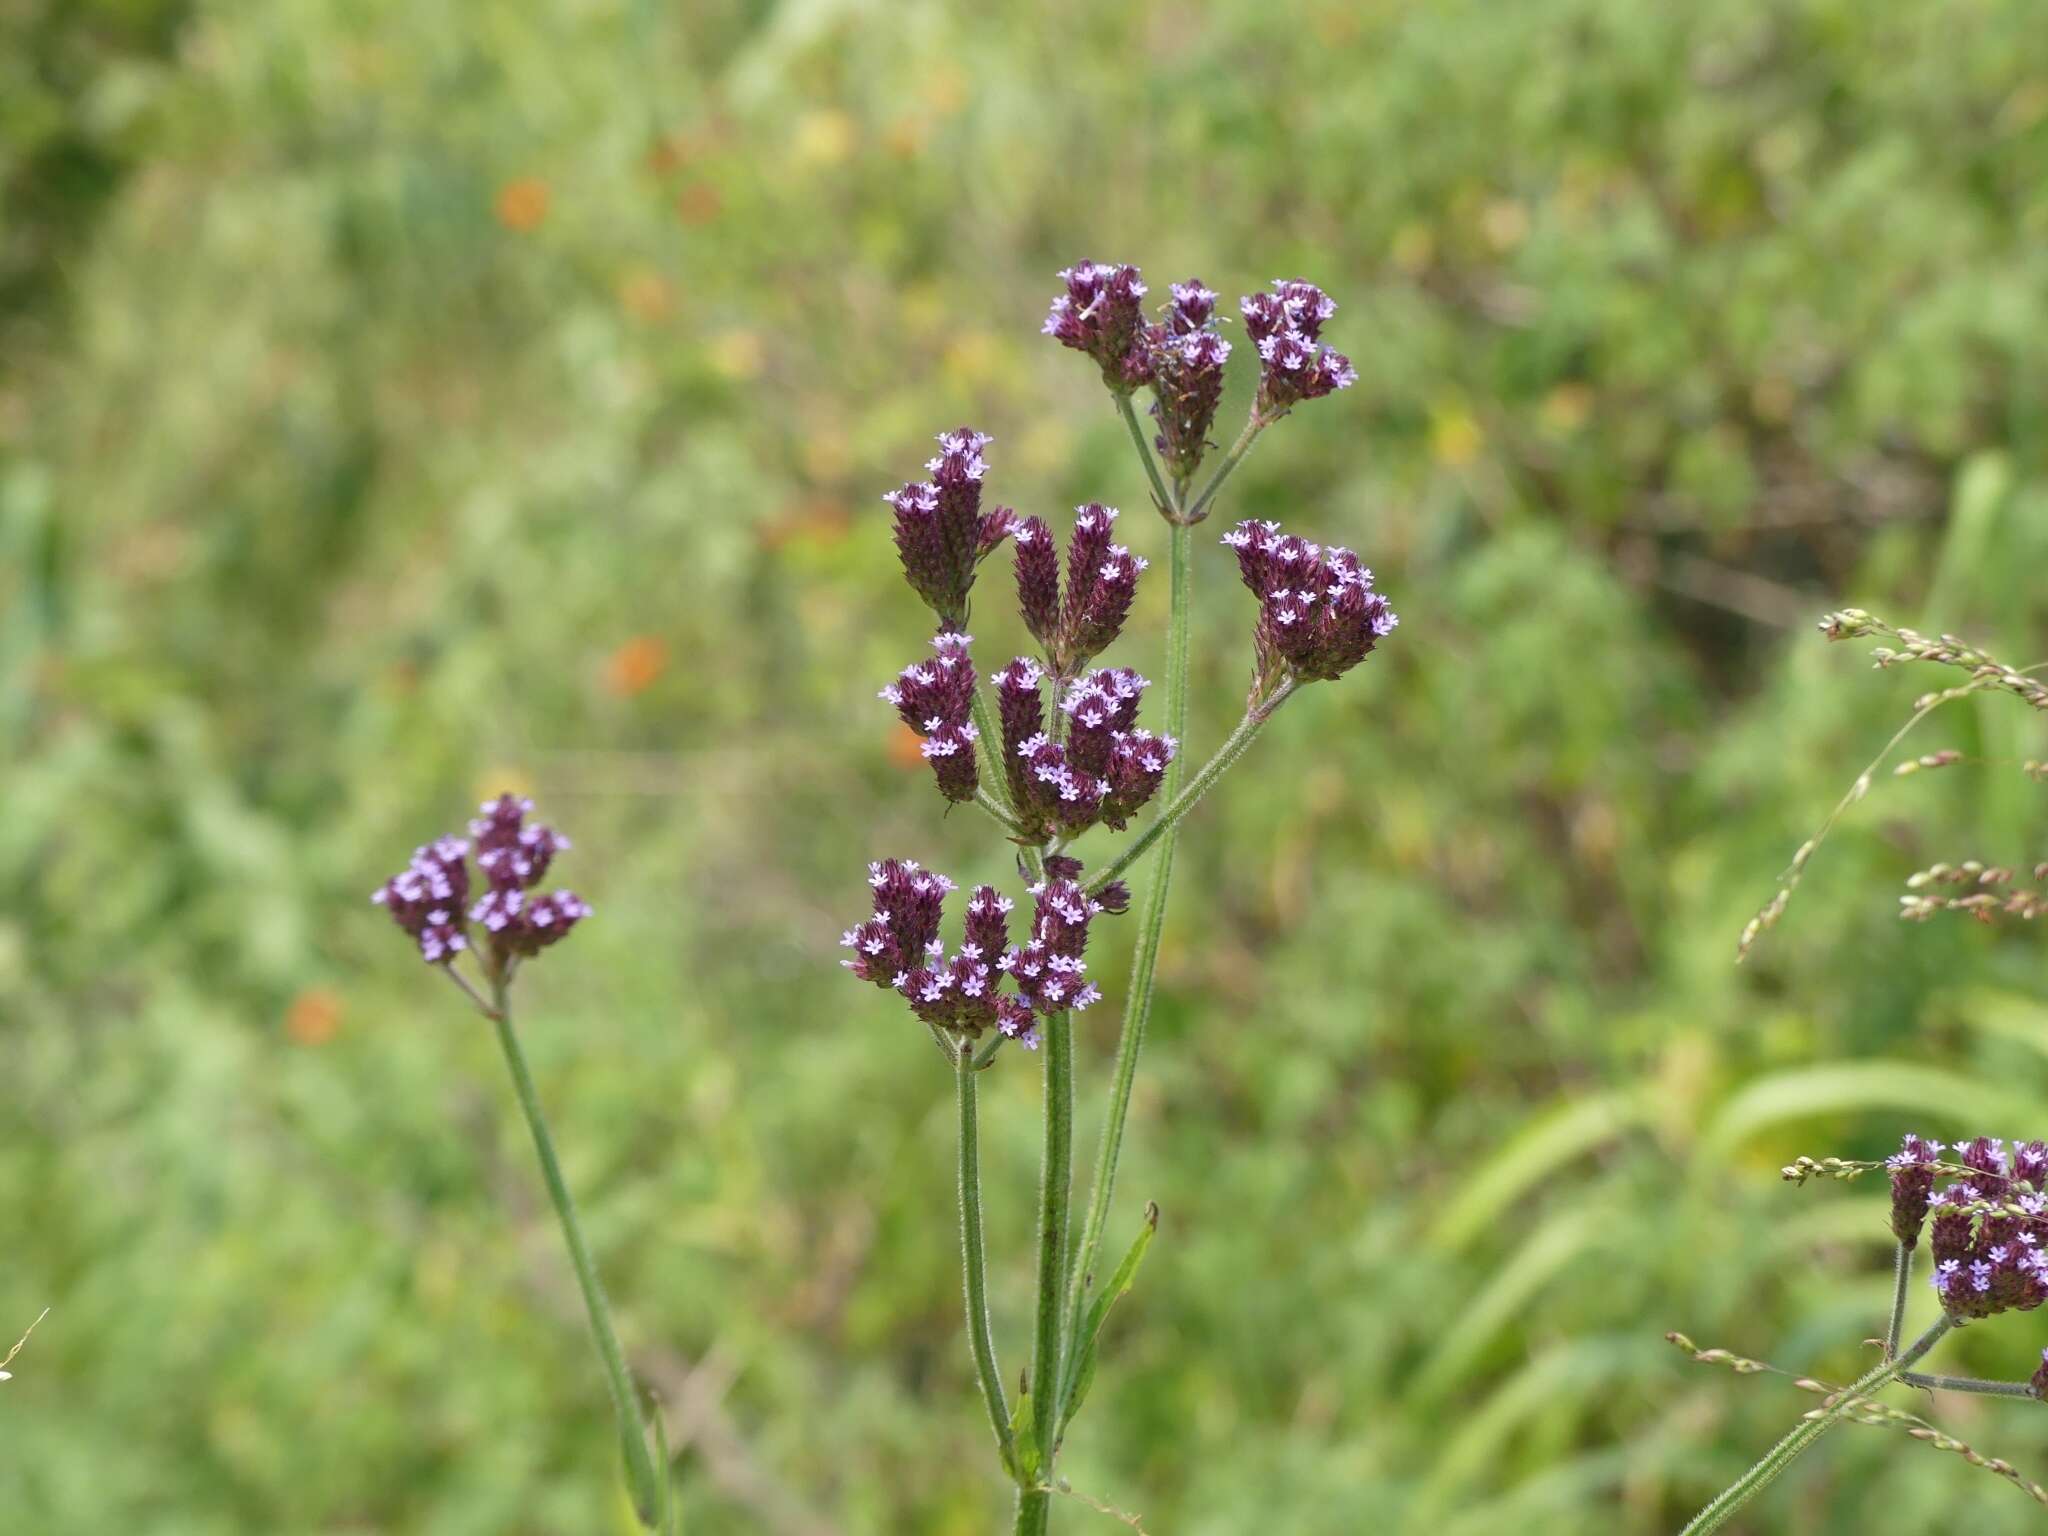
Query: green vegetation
x,y
402,402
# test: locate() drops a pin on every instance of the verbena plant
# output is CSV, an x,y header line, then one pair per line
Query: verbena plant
x,y
1987,1222
1059,750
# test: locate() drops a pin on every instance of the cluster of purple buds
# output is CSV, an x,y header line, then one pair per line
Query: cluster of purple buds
x,y
936,700
1104,770
899,950
429,898
1318,613
942,534
1187,376
1099,314
1286,326
1102,578
1989,1226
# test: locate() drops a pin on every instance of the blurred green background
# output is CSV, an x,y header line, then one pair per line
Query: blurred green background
x,y
403,402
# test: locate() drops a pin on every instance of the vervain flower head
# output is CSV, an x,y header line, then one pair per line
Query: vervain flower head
x,y
1988,1227
1187,376
1286,326
429,898
1912,1173
1099,314
936,699
942,534
1104,770
1102,578
1318,613
962,992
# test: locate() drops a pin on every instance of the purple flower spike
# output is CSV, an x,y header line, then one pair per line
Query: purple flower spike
x,y
1285,325
1187,377
1049,970
429,898
1318,613
1912,1171
936,699
1101,581
942,534
1020,705
1099,314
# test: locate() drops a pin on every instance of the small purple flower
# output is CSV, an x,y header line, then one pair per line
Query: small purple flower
x,y
942,534
1102,579
1187,377
1912,1172
1286,326
429,898
936,699
1318,613
1105,769
1049,969
1099,314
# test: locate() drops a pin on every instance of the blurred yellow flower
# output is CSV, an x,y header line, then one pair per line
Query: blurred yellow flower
x,y
1566,407
1455,439
825,137
523,203
737,354
945,88
1412,248
1505,223
972,357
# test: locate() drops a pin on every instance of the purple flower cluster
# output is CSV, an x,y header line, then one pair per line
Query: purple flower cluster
x,y
942,534
1286,326
899,950
1318,613
1187,376
1104,770
1099,315
1989,1226
1102,578
936,700
429,898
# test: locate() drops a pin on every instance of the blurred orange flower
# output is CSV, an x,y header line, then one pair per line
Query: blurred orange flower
x,y
635,666
646,295
314,1017
699,203
906,747
523,203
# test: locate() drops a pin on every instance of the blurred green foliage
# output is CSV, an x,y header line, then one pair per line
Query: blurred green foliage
x,y
400,402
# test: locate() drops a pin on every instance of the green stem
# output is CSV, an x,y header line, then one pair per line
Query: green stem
x,y
1145,957
1055,1198
994,794
1973,1384
1161,496
1902,1274
1178,805
646,1481
1034,1511
974,1261
1810,1429
1252,428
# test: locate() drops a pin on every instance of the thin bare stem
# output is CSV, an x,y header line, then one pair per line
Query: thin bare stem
x,y
974,1262
648,1484
1902,1274
1252,428
1162,498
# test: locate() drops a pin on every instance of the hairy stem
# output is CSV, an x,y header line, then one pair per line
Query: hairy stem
x,y
1972,1384
1145,958
1055,1194
1178,805
1252,428
994,794
1808,1430
1902,1274
646,1480
1167,503
974,1260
